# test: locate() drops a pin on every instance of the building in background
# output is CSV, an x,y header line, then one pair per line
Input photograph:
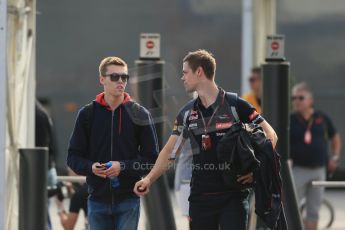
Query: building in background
x,y
71,40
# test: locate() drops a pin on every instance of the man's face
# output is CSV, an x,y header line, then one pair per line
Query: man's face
x,y
255,82
190,79
301,101
114,88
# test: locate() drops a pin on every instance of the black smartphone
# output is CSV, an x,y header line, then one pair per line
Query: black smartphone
x,y
100,166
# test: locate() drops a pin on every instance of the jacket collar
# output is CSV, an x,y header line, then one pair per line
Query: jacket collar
x,y
219,100
100,100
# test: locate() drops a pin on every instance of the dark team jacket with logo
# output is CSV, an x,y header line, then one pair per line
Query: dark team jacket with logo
x,y
206,175
121,135
315,153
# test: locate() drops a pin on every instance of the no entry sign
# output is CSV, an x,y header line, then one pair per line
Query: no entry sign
x,y
275,47
150,46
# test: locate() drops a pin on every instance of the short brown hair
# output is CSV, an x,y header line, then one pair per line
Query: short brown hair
x,y
204,59
256,69
110,61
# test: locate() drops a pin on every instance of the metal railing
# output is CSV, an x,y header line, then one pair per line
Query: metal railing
x,y
78,179
330,184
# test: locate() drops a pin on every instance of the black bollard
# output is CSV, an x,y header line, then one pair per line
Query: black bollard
x,y
33,196
276,97
157,203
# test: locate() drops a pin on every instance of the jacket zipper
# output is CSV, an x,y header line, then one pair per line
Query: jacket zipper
x,y
111,151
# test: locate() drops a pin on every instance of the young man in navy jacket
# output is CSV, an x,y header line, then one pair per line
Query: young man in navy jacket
x,y
113,129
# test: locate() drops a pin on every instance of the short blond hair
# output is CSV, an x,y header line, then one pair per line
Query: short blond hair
x,y
110,61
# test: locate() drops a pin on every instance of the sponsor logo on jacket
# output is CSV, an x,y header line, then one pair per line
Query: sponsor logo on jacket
x,y
225,125
193,115
193,125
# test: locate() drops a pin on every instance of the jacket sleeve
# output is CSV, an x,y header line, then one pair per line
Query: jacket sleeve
x,y
79,147
148,147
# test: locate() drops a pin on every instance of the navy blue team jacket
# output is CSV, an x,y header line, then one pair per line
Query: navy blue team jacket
x,y
126,134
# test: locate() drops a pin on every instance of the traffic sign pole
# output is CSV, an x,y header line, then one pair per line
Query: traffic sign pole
x,y
276,91
33,196
150,94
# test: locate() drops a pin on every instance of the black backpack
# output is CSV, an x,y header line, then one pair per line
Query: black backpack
x,y
241,159
232,98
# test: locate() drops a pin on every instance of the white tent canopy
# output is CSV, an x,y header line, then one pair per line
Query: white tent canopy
x,y
17,82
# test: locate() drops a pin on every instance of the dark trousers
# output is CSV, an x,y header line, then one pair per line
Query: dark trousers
x,y
219,211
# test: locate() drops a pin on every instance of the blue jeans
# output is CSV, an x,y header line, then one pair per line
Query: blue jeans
x,y
219,211
119,216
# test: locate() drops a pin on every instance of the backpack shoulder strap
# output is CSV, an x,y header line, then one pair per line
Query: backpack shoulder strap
x,y
232,102
188,111
89,117
133,110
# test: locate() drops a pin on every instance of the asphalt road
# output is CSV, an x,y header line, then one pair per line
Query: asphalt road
x,y
336,197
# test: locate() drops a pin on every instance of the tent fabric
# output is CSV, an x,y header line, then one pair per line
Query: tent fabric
x,y
20,97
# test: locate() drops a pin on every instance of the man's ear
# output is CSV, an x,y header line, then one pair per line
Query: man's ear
x,y
199,71
101,80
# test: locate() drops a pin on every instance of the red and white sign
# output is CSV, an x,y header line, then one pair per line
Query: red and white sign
x,y
150,45
275,47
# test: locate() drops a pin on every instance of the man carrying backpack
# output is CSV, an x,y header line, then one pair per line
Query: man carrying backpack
x,y
204,121
113,144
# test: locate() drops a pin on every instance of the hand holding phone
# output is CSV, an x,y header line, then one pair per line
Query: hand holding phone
x,y
99,169
140,189
101,166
